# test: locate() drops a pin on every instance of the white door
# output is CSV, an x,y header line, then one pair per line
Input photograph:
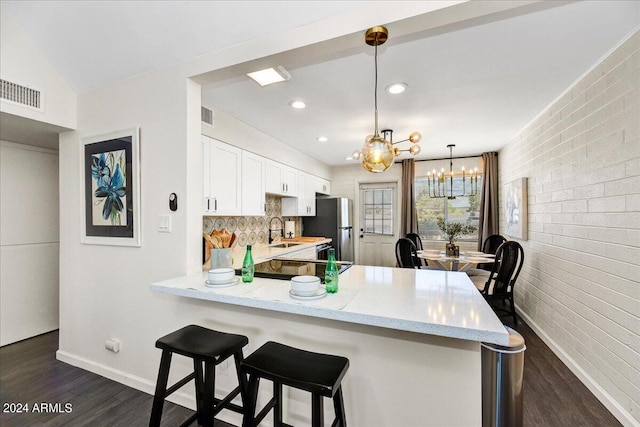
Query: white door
x,y
378,219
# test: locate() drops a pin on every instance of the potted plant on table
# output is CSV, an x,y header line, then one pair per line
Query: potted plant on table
x,y
454,230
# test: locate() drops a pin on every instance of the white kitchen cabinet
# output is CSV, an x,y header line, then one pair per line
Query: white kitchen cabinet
x,y
323,186
280,179
305,203
222,165
308,253
253,184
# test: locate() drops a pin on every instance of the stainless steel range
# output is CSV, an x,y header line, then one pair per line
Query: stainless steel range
x,y
286,268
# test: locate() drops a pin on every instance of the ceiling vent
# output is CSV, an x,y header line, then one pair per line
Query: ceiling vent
x,y
23,96
206,116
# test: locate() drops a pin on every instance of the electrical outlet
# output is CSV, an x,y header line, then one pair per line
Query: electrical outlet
x,y
112,345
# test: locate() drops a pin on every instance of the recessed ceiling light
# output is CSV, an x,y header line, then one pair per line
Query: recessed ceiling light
x,y
297,104
270,75
322,139
396,88
348,158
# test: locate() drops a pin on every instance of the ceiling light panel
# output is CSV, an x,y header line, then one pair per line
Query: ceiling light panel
x,y
270,75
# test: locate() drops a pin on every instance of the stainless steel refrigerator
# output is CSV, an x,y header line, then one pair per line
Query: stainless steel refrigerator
x,y
334,219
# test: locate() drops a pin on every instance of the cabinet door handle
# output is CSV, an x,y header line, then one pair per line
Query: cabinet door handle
x,y
215,205
208,204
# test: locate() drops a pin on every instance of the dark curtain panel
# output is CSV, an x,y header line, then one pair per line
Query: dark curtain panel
x,y
488,223
409,217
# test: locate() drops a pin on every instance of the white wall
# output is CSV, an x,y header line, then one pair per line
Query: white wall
x,y
580,286
28,241
22,62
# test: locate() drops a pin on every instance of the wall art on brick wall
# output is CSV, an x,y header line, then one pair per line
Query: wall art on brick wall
x,y
111,193
515,203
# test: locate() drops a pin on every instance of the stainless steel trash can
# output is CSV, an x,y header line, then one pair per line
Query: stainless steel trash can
x,y
502,372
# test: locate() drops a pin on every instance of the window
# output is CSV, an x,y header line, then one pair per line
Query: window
x,y
378,210
465,209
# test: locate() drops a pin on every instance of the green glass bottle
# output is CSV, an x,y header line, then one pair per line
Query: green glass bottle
x,y
247,266
331,273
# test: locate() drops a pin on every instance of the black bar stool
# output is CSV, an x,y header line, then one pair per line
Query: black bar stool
x,y
317,373
203,346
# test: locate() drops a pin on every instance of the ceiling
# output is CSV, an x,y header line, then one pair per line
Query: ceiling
x,y
475,86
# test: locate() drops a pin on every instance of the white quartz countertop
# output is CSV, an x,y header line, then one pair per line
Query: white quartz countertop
x,y
431,302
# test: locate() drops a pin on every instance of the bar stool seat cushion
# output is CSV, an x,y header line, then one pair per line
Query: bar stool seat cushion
x,y
194,340
314,372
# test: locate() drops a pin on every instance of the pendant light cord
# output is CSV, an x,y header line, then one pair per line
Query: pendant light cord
x,y
375,61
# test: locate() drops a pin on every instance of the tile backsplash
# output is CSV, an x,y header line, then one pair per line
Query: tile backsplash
x,y
251,229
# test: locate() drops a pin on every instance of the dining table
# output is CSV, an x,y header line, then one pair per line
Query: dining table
x,y
463,262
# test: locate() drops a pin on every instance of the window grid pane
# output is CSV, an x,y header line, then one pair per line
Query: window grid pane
x,y
378,207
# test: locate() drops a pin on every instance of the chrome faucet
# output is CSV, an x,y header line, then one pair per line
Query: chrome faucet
x,y
270,229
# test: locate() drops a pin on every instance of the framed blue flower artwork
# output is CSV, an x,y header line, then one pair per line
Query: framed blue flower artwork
x,y
111,193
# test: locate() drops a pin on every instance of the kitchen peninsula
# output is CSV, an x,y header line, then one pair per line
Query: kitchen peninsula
x,y
412,337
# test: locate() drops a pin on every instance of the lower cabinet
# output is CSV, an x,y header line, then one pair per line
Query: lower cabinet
x,y
309,253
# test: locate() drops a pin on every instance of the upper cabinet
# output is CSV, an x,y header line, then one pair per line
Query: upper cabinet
x,y
323,186
222,178
253,184
235,182
305,203
281,179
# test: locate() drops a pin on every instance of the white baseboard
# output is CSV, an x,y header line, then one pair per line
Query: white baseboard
x,y
180,397
607,400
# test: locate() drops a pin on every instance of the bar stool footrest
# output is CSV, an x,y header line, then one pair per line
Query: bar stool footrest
x,y
190,420
220,404
179,384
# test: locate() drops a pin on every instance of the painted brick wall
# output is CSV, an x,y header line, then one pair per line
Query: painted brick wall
x,y
580,283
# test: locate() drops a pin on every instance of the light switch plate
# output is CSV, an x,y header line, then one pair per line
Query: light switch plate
x,y
164,223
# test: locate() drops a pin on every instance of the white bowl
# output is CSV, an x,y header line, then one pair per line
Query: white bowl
x,y
219,276
305,286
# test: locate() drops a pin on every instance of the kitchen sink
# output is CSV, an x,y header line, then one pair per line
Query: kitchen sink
x,y
284,245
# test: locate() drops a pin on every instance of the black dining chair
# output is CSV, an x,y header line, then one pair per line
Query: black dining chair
x,y
498,286
406,253
490,246
415,238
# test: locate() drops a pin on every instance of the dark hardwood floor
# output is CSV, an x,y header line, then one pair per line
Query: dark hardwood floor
x,y
553,395
30,373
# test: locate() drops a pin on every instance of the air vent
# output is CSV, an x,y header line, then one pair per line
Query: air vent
x,y
23,96
206,116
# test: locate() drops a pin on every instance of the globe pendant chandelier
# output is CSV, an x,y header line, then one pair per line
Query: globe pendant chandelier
x,y
378,152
